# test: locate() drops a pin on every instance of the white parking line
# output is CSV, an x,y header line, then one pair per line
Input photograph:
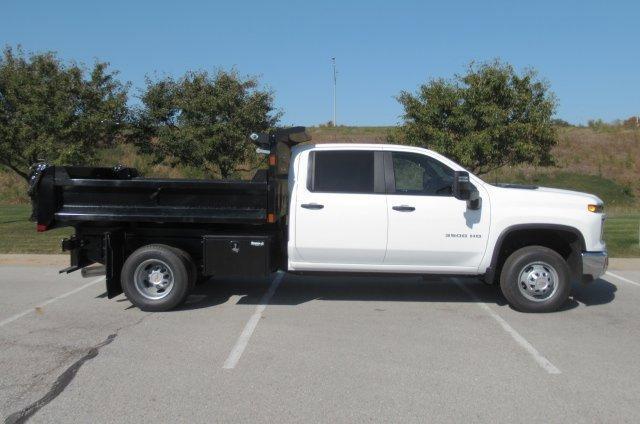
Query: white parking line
x,y
243,340
537,356
622,278
62,296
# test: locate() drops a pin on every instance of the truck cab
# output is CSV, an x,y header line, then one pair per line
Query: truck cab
x,y
398,209
382,208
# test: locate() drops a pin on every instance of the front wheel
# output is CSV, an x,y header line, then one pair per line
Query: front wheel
x,y
155,278
535,279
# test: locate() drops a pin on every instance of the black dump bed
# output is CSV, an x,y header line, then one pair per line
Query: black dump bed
x,y
72,195
69,194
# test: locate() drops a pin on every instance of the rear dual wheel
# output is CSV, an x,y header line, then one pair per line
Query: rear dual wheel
x,y
158,277
192,270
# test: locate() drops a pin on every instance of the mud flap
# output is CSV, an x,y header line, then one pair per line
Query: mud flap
x,y
114,259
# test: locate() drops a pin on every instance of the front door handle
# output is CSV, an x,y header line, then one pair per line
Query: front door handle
x,y
313,206
403,208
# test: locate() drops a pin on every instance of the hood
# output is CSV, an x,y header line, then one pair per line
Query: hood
x,y
569,193
550,192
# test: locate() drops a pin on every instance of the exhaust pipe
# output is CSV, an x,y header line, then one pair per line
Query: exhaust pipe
x,y
93,271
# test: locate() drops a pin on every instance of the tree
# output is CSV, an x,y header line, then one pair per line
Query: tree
x,y
560,123
49,111
204,120
632,122
485,119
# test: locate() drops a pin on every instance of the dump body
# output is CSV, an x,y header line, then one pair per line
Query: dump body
x,y
67,195
74,195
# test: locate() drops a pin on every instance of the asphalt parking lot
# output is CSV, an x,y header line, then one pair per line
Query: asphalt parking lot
x,y
317,349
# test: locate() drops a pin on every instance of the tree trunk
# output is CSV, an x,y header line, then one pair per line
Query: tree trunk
x,y
17,171
225,172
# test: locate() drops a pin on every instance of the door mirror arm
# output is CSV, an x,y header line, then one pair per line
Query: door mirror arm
x,y
474,201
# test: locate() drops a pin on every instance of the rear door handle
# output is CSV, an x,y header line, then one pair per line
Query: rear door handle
x,y
313,206
403,208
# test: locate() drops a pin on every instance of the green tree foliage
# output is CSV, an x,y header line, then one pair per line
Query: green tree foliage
x,y
485,119
51,111
204,120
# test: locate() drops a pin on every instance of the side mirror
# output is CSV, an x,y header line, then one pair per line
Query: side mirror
x,y
464,190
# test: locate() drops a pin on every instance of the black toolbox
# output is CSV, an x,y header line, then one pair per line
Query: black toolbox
x,y
242,255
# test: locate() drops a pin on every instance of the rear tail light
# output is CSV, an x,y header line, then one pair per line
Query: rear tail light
x,y
41,228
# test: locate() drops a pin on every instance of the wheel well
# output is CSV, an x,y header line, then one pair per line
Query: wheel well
x,y
567,242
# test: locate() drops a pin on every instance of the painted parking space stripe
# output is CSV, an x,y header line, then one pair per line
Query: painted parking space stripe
x,y
48,302
249,328
528,347
621,278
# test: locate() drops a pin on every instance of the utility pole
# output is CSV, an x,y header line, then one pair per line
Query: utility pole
x,y
333,61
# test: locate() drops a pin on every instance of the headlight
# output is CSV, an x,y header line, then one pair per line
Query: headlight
x,y
595,208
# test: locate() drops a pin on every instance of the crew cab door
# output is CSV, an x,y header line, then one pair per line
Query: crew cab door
x,y
428,227
341,211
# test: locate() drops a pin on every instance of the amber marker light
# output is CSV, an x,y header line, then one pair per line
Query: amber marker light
x,y
595,208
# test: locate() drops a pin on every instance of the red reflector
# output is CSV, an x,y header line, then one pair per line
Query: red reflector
x,y
41,228
271,218
272,160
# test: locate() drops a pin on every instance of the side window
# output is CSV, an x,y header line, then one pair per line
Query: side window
x,y
343,172
421,175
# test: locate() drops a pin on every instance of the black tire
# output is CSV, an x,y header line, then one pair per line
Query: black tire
x,y
523,262
175,267
191,266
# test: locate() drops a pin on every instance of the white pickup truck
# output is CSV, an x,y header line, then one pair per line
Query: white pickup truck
x,y
326,208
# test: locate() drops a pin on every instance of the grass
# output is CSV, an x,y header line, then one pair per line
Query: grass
x,y
13,188
622,234
325,134
18,234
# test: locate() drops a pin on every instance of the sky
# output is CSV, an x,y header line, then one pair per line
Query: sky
x,y
588,51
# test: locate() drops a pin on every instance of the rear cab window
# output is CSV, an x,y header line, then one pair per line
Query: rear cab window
x,y
342,171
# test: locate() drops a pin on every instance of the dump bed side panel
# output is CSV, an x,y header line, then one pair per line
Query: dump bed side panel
x,y
66,195
142,200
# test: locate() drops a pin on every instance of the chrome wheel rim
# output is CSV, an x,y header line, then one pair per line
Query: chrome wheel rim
x,y
538,281
153,279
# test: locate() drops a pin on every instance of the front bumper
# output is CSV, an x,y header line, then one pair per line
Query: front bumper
x,y
594,264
